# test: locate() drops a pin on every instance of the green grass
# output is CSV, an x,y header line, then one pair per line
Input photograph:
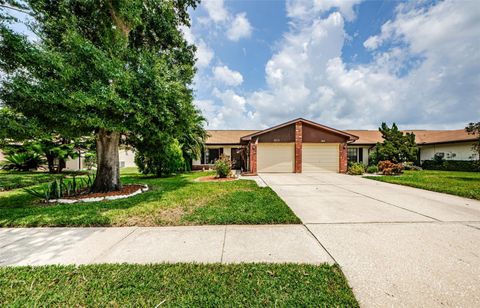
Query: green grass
x,y
16,179
176,200
464,184
176,285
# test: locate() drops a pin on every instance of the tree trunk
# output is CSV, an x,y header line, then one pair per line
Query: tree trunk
x,y
61,165
108,169
51,163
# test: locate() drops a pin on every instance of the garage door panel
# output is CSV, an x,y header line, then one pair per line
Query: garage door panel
x,y
320,157
275,157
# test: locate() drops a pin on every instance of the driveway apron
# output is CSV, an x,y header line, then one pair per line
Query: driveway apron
x,y
398,246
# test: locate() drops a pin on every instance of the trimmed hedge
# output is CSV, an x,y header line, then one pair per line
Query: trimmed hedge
x,y
452,165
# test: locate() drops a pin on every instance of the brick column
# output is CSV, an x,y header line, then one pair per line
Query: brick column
x,y
343,158
298,147
253,157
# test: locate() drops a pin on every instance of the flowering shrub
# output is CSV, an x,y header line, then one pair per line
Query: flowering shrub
x,y
389,168
223,166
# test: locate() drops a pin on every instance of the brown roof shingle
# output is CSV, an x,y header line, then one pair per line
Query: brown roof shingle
x,y
224,136
365,136
421,136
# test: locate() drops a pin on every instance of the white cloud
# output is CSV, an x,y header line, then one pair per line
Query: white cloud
x,y
239,28
425,71
232,110
235,27
307,76
216,10
204,54
372,42
308,9
226,76
188,34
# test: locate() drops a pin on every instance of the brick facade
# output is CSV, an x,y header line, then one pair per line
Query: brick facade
x,y
298,147
343,160
253,157
299,131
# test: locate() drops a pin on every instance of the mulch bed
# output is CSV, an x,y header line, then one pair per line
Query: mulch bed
x,y
126,190
212,178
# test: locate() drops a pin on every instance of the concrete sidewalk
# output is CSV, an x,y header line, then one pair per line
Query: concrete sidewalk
x,y
207,244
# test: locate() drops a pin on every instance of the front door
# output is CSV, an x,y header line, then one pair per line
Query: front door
x,y
236,157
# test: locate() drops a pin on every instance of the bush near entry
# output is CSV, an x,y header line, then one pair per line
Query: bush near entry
x,y
356,169
223,166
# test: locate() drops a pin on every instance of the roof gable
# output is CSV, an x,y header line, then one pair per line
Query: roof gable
x,y
314,124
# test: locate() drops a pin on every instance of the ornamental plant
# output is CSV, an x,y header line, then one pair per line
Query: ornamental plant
x,y
223,166
389,168
356,169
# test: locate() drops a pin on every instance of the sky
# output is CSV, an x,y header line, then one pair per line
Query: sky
x,y
345,64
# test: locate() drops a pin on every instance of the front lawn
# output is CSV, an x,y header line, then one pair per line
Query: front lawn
x,y
464,184
176,285
17,179
176,200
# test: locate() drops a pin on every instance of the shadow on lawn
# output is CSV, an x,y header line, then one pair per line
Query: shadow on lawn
x,y
19,209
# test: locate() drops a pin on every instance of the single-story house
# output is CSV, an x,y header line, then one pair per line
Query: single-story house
x,y
304,146
126,158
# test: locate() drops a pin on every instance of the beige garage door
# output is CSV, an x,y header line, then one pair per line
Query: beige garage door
x,y
320,157
275,157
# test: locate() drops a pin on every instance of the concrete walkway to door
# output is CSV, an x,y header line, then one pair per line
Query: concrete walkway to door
x,y
398,246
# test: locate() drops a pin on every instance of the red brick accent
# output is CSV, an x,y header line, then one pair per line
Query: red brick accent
x,y
343,158
253,157
298,147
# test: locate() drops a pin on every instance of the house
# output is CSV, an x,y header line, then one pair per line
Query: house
x,y
304,146
126,158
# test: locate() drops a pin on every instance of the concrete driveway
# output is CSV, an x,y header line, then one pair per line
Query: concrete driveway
x,y
398,246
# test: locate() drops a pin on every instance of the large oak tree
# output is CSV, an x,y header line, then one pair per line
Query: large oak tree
x,y
118,69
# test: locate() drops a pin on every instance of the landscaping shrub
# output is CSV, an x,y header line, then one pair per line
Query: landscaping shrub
x,y
372,169
62,187
389,168
223,166
23,161
356,169
164,159
452,165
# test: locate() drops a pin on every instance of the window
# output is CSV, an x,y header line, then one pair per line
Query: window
x,y
352,154
212,155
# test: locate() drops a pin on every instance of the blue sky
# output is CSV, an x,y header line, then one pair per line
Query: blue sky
x,y
348,64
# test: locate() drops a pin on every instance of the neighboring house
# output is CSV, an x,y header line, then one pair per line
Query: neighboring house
x,y
305,146
126,159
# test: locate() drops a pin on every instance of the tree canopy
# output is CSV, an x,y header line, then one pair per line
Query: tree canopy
x,y
474,129
396,146
119,69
